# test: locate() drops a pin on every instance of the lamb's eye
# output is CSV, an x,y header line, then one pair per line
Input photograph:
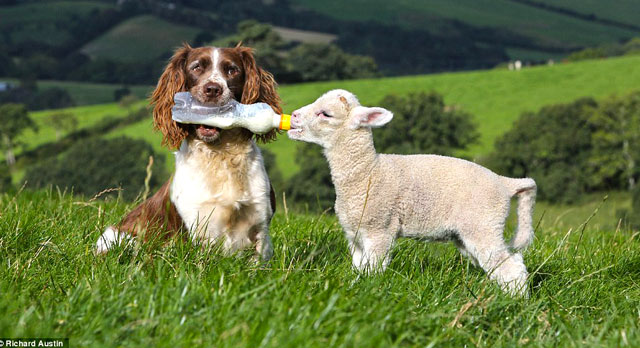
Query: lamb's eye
x,y
323,113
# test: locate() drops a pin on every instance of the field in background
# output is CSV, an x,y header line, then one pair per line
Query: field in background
x,y
38,20
624,11
495,97
560,30
585,288
546,34
138,39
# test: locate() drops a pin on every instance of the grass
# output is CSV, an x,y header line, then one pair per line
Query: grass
x,y
86,116
139,39
87,93
547,28
585,288
93,93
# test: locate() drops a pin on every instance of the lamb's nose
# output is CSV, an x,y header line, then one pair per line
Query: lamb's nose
x,y
295,115
212,89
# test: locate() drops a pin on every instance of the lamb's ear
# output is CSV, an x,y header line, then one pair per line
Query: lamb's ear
x,y
363,116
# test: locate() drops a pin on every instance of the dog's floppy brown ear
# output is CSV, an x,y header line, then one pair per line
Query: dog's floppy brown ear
x,y
259,86
173,80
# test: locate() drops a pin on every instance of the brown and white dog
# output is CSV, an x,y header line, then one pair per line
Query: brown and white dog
x,y
220,192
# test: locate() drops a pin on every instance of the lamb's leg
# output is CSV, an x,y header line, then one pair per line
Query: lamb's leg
x,y
372,255
464,252
494,257
355,250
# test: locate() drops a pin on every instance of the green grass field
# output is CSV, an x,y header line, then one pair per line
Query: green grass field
x,y
139,38
549,29
585,287
86,93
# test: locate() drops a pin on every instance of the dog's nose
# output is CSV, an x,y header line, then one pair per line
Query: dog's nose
x,y
212,89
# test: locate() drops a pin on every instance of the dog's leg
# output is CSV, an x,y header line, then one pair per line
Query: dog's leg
x,y
264,248
110,238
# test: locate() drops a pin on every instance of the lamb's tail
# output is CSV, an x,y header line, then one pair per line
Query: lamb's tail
x,y
525,189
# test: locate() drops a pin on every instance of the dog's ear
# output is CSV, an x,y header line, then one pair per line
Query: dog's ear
x,y
172,81
259,87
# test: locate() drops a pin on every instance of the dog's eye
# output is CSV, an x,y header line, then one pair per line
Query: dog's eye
x,y
323,113
231,70
196,67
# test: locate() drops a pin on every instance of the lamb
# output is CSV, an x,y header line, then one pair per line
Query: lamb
x,y
382,197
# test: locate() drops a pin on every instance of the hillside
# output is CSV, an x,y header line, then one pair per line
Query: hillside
x,y
82,40
139,39
548,30
495,97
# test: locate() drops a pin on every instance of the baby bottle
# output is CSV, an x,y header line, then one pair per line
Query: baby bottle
x,y
258,118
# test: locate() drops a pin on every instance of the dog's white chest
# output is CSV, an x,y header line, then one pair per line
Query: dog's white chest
x,y
220,195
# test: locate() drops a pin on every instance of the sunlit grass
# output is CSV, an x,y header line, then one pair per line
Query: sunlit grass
x,y
585,287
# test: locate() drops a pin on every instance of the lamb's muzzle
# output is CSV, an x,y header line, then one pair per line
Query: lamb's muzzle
x,y
381,197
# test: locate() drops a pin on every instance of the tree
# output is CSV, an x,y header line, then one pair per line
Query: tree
x,y
118,93
263,39
127,102
94,165
5,178
321,62
634,214
616,141
14,120
427,125
63,121
552,146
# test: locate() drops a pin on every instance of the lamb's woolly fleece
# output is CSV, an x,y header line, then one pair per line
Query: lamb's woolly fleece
x,y
381,197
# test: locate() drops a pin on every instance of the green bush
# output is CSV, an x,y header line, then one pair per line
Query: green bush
x,y
552,146
91,166
5,178
322,62
427,125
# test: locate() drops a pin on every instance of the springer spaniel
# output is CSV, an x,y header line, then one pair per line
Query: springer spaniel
x,y
220,192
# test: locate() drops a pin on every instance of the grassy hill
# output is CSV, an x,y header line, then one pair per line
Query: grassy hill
x,y
139,39
624,11
85,93
584,284
495,97
546,28
37,20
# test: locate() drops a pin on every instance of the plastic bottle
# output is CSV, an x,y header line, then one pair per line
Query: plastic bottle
x,y
258,118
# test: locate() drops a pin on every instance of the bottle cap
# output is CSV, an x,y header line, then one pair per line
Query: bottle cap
x,y
285,122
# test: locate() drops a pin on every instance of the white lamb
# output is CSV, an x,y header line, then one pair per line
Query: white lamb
x,y
381,197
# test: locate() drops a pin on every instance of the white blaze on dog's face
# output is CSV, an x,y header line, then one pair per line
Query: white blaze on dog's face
x,y
322,121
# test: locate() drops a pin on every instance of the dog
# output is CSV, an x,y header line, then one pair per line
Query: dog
x,y
220,191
